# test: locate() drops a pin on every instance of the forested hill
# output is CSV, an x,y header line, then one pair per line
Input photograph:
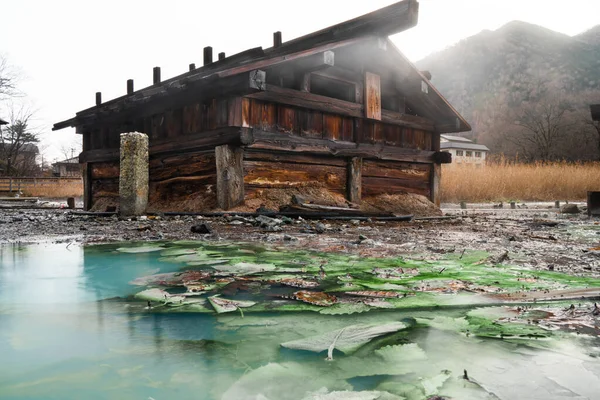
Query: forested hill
x,y
492,74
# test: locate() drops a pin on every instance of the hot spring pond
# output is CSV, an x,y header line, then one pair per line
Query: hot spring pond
x,y
198,320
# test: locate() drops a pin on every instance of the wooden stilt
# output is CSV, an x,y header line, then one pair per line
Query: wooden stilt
x,y
354,180
230,176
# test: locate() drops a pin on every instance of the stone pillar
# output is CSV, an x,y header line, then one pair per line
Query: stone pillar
x,y
133,179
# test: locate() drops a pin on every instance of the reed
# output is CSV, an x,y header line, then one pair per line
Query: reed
x,y
504,180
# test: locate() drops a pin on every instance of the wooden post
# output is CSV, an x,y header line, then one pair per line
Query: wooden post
x,y
230,176
354,180
277,40
192,66
10,185
98,98
221,56
156,75
436,171
305,82
372,96
129,86
86,173
436,176
208,57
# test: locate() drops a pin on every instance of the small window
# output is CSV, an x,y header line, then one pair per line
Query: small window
x,y
469,154
459,153
477,154
332,88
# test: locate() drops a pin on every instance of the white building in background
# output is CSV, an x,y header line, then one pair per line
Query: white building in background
x,y
463,150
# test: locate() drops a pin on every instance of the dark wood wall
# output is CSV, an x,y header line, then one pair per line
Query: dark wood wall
x,y
182,156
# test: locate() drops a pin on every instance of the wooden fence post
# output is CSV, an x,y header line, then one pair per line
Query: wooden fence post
x,y
10,185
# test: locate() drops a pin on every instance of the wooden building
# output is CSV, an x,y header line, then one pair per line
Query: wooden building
x,y
341,107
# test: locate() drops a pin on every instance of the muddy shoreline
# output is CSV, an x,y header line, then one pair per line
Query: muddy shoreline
x,y
538,237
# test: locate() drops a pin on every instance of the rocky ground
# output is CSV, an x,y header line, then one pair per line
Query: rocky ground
x,y
535,235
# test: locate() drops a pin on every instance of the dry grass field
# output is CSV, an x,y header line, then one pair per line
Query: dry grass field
x,y
505,181
55,189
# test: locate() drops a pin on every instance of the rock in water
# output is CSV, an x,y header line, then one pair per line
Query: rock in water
x,y
202,229
569,209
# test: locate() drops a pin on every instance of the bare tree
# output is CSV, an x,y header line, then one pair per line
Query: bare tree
x,y
543,124
9,78
18,144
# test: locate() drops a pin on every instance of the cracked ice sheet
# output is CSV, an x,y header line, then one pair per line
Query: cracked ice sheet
x,y
509,372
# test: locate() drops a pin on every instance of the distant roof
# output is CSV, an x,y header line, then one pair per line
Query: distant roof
x,y
595,109
463,146
3,122
452,138
72,160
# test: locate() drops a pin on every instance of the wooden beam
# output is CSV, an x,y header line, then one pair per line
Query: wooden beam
x,y
156,75
192,66
372,96
98,98
192,142
277,40
162,99
230,176
317,102
354,183
221,56
261,140
340,74
129,86
386,21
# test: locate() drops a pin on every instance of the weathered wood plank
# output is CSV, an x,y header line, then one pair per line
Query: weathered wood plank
x,y
286,119
374,186
203,140
182,165
104,170
269,175
372,96
230,176
332,127
317,102
294,158
257,139
400,170
311,123
354,184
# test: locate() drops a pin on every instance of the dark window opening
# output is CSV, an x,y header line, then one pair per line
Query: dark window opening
x,y
332,88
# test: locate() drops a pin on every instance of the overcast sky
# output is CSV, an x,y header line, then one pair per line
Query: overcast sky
x,y
69,49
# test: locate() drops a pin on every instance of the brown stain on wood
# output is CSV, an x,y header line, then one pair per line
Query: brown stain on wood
x,y
332,127
286,119
104,170
268,174
184,165
372,96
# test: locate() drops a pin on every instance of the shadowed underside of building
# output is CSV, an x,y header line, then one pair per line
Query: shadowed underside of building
x,y
341,108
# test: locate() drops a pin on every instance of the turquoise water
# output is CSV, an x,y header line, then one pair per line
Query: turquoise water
x,y
70,328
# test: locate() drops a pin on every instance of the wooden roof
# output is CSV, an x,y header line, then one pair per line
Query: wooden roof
x,y
3,122
368,33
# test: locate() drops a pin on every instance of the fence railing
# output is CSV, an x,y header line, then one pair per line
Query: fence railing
x,y
10,185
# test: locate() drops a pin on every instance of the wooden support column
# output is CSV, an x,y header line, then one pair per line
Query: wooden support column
x,y
87,186
436,169
230,176
354,180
